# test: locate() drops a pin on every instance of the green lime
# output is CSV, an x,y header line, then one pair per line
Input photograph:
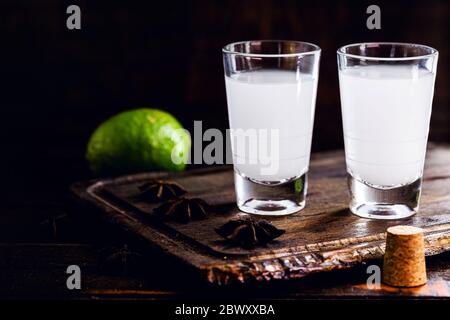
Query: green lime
x,y
138,140
298,186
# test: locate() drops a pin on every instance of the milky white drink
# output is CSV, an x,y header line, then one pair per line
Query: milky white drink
x,y
386,113
272,99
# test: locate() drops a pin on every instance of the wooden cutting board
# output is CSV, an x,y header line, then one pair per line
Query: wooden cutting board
x,y
322,237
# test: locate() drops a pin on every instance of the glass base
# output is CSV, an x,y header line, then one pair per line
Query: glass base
x,y
384,204
270,198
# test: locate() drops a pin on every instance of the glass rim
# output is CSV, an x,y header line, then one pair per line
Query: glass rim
x,y
433,53
226,49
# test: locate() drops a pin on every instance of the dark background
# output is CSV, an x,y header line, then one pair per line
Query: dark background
x,y
59,84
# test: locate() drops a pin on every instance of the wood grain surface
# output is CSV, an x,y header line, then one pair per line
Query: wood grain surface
x,y
322,237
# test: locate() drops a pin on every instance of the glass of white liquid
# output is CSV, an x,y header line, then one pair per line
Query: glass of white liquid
x,y
386,96
271,93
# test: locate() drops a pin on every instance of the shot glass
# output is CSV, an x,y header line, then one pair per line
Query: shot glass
x,y
271,92
386,96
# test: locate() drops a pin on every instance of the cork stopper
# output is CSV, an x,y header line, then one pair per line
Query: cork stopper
x,y
404,258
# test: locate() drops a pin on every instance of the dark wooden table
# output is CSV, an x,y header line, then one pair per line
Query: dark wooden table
x,y
43,231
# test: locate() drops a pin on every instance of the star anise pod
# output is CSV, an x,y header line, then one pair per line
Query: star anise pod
x,y
54,220
183,209
249,233
121,260
159,190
